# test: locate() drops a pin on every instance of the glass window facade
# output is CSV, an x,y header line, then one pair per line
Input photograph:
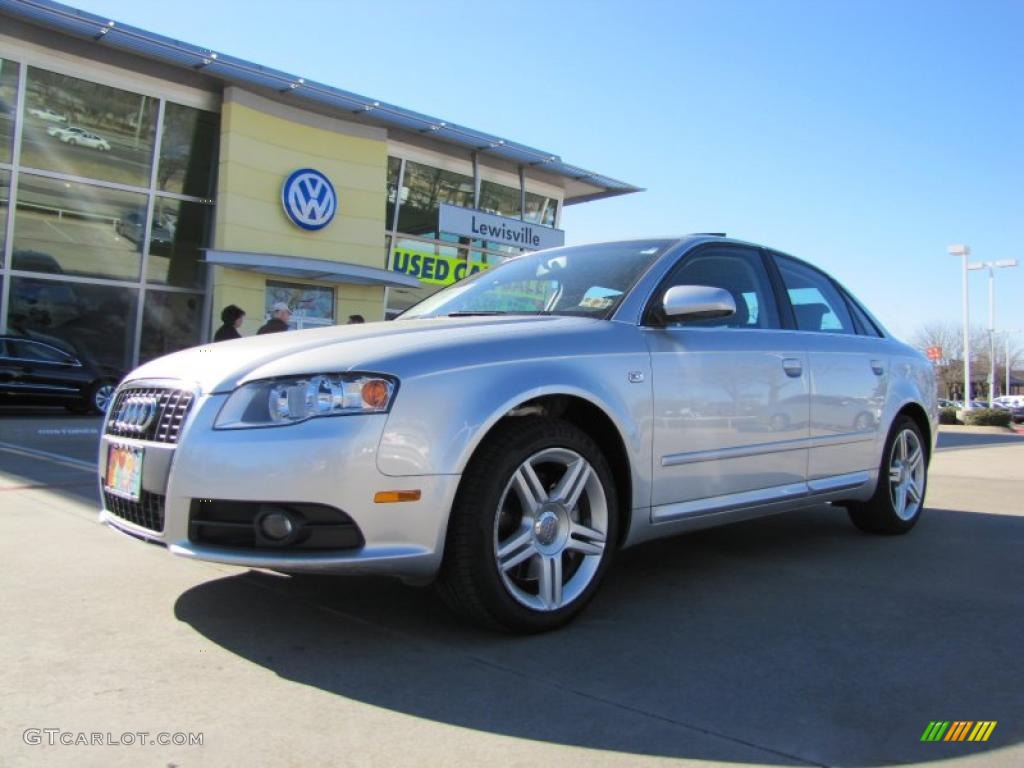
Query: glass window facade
x,y
5,198
170,321
8,104
423,190
188,151
110,216
499,199
178,232
97,322
70,228
416,248
80,128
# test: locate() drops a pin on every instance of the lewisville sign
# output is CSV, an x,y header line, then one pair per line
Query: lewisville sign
x,y
502,230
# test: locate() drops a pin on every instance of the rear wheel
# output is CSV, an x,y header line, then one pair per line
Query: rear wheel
x,y
902,480
532,529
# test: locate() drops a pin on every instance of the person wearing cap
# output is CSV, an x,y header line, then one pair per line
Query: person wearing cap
x,y
280,314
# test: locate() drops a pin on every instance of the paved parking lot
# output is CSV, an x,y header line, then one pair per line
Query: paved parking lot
x,y
793,640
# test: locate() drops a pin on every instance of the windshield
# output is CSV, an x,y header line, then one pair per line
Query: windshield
x,y
587,280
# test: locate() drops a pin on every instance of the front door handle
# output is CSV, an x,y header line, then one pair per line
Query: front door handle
x,y
792,366
877,367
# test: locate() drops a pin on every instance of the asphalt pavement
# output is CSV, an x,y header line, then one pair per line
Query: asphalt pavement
x,y
792,640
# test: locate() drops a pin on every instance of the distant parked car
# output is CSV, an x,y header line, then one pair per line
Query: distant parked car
x,y
48,114
1016,411
36,372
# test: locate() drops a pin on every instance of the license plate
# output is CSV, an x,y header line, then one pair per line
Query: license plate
x,y
124,471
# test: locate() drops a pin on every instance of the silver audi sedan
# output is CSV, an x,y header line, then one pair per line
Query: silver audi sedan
x,y
505,437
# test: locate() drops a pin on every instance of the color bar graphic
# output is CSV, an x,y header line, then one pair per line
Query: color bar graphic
x,y
958,730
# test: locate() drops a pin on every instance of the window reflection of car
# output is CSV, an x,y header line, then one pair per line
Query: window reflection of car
x,y
78,137
37,261
132,226
48,114
43,370
61,131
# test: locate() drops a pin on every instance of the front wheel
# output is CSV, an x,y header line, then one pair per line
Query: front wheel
x,y
532,529
902,480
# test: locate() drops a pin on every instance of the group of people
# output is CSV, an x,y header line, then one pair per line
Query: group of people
x,y
232,317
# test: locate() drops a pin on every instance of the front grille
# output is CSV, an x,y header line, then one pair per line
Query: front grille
x,y
172,406
148,511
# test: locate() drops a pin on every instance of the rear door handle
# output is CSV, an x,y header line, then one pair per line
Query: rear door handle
x,y
792,366
877,367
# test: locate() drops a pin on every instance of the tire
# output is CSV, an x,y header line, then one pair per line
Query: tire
x,y
896,505
533,527
99,396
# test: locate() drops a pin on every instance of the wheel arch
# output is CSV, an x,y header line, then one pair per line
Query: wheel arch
x,y
591,418
917,414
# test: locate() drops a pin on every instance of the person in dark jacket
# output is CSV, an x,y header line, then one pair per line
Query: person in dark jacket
x,y
232,318
280,314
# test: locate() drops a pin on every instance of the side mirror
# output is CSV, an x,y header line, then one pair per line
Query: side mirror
x,y
698,302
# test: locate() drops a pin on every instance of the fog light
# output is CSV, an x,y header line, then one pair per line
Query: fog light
x,y
276,525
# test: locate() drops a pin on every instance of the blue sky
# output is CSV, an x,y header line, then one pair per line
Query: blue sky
x,y
862,136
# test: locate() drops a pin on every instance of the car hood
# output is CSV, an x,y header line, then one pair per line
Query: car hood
x,y
383,347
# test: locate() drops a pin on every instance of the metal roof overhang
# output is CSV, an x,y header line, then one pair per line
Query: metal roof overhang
x,y
581,185
297,267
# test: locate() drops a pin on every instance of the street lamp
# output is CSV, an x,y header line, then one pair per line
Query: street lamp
x,y
963,252
991,266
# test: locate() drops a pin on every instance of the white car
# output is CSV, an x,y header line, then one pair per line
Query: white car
x,y
79,137
61,131
48,114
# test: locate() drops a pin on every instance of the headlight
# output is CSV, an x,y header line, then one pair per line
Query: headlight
x,y
276,402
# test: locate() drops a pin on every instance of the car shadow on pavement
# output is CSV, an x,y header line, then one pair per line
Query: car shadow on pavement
x,y
788,640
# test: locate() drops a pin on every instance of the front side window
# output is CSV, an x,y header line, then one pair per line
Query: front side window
x,y
816,302
739,271
588,280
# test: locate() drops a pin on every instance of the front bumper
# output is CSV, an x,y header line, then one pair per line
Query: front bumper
x,y
328,461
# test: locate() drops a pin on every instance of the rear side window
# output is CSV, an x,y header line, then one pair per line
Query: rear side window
x,y
865,325
817,304
27,350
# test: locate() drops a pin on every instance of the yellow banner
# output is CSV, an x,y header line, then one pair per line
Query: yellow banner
x,y
433,269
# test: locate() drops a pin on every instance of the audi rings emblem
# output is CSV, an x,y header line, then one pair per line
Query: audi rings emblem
x,y
136,413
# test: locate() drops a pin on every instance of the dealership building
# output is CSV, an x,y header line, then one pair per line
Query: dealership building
x,y
146,183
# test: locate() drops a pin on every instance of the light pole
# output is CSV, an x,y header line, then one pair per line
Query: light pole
x,y
991,266
963,251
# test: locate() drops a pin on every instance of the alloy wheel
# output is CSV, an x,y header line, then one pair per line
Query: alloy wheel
x,y
906,474
551,529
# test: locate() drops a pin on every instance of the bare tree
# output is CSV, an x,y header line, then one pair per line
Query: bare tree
x,y
949,369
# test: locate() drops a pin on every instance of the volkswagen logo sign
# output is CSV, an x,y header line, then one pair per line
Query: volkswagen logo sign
x,y
136,413
309,199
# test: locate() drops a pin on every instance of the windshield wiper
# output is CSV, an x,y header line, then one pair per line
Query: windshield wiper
x,y
484,313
